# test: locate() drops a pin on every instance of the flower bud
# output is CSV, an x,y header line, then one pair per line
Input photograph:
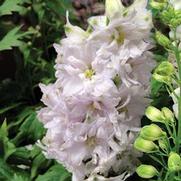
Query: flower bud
x,y
168,114
162,39
163,72
113,7
157,5
146,171
152,132
174,162
163,79
154,114
175,22
145,146
167,15
165,68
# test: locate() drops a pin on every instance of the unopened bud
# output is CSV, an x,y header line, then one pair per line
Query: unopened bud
x,y
174,162
152,132
165,68
175,22
162,39
145,146
154,114
167,15
168,114
157,5
146,171
163,79
163,72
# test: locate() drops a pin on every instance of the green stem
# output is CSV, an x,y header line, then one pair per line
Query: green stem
x,y
177,55
158,161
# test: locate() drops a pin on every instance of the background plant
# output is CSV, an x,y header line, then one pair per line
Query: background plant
x,y
161,139
28,29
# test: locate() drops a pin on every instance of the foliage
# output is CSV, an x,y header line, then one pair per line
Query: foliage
x,y
28,30
165,133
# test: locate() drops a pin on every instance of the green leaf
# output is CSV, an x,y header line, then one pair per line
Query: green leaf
x,y
21,117
6,172
31,129
21,155
59,7
39,161
10,173
55,173
3,130
3,110
11,39
7,147
10,6
19,178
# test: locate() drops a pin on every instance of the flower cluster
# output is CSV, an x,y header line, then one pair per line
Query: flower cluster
x,y
93,110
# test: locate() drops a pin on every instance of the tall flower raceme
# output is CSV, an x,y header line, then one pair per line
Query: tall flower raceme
x,y
162,141
93,110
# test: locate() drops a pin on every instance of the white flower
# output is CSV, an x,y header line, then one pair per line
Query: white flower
x,y
74,33
98,22
176,4
113,8
76,143
124,36
175,100
94,108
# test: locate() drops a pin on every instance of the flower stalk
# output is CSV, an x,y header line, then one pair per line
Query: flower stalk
x,y
177,55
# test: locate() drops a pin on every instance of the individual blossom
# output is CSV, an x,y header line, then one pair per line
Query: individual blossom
x,y
175,100
126,33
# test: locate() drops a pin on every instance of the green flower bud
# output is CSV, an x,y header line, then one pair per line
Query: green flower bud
x,y
165,68
146,171
163,79
175,22
168,114
163,72
167,15
113,7
154,114
162,39
157,5
176,19
145,146
171,16
174,162
152,132
162,144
